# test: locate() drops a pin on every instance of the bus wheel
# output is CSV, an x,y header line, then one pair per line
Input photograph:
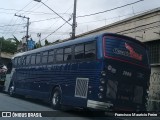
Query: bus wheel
x,y
56,98
11,90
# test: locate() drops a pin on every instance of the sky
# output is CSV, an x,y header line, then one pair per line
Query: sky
x,y
43,20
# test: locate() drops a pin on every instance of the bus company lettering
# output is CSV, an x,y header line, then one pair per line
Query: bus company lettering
x,y
133,54
121,52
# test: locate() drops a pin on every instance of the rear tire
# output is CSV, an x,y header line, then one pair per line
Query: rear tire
x,y
56,98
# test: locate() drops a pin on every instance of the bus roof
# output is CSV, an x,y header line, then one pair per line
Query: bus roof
x,y
75,41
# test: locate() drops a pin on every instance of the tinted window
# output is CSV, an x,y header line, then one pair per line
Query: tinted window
x,y
38,58
19,61
45,57
79,51
15,61
59,55
51,56
28,60
67,54
126,50
33,59
59,51
90,50
23,60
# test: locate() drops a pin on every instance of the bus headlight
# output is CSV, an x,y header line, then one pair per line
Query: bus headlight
x,y
103,73
102,80
101,88
100,95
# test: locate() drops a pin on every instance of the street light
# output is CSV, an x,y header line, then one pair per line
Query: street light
x,y
53,11
74,17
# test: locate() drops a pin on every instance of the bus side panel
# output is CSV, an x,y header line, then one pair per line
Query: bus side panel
x,y
84,70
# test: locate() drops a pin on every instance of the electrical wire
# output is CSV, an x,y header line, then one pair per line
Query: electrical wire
x,y
25,6
110,9
54,31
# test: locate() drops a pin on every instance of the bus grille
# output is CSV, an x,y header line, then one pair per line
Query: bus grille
x,y
81,87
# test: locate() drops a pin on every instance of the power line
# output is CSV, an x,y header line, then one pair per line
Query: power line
x,y
37,7
110,9
55,30
56,22
25,6
45,19
114,17
17,18
31,12
31,22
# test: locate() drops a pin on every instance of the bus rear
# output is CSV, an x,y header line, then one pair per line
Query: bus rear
x,y
126,73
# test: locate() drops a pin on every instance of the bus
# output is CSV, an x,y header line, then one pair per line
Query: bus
x,y
99,72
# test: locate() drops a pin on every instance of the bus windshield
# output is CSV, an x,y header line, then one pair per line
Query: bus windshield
x,y
125,50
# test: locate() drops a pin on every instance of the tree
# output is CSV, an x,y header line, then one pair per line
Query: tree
x,y
8,45
47,43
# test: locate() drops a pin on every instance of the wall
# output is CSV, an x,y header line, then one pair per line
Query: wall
x,y
154,89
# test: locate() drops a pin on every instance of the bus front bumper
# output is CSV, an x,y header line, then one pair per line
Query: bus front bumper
x,y
99,105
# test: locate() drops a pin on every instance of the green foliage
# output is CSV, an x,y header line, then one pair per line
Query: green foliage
x,y
8,45
47,43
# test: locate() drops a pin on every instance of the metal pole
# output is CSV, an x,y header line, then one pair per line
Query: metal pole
x,y
27,28
1,50
27,32
74,20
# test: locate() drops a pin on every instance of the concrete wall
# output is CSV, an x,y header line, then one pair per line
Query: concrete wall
x,y
144,27
154,90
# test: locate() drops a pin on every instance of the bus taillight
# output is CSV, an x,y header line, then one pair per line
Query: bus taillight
x,y
102,80
101,88
103,73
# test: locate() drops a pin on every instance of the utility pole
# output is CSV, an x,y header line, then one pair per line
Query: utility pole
x,y
74,17
27,28
74,25
1,49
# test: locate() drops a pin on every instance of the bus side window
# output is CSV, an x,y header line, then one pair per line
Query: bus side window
x,y
28,59
38,58
19,61
51,58
90,50
23,60
59,55
67,54
79,51
44,57
33,59
15,62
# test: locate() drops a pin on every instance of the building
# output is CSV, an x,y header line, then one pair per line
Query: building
x,y
6,58
146,28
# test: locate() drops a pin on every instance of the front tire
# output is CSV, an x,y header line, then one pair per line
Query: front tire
x,y
56,98
11,90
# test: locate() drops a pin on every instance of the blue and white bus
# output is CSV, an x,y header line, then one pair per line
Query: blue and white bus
x,y
102,72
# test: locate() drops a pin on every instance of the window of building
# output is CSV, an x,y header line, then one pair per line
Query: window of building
x,y
79,51
59,55
33,59
154,51
67,54
38,58
51,56
90,50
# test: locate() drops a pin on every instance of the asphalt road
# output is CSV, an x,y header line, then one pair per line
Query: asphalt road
x,y
8,103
